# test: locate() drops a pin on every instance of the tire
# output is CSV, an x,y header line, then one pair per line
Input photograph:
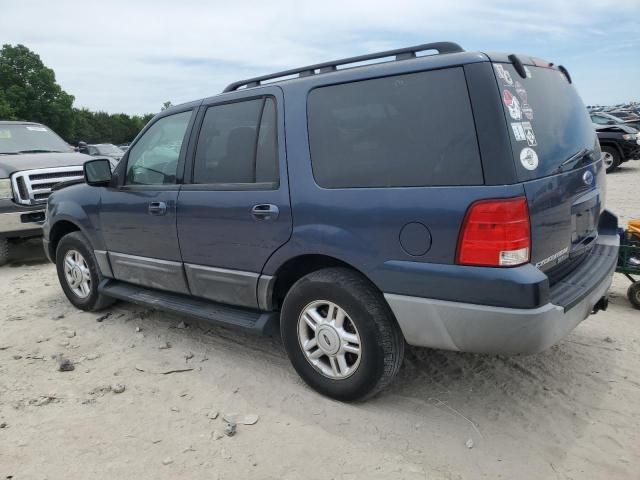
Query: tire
x,y
612,158
368,320
633,294
4,251
76,246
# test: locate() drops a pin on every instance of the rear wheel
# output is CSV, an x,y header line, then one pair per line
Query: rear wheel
x,y
340,334
611,158
633,294
78,273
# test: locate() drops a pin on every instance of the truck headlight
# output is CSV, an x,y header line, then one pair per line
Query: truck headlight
x,y
5,188
630,136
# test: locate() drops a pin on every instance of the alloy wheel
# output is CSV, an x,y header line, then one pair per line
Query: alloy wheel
x,y
77,274
329,339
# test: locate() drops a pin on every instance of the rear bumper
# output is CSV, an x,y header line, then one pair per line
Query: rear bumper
x,y
499,330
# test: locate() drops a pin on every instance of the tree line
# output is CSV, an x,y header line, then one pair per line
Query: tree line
x,y
29,91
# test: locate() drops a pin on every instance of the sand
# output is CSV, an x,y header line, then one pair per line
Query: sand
x,y
572,412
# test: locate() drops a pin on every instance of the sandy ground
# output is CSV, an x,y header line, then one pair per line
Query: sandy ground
x,y
572,412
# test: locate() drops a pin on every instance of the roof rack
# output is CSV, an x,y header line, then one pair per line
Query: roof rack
x,y
400,54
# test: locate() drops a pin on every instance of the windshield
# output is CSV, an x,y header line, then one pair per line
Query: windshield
x,y
30,138
548,122
109,150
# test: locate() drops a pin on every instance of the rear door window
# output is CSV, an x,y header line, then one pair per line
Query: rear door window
x,y
400,131
238,145
548,122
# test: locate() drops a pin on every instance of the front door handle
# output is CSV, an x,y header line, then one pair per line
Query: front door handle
x,y
157,208
265,211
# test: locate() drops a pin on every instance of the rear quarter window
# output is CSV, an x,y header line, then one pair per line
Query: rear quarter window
x,y
401,131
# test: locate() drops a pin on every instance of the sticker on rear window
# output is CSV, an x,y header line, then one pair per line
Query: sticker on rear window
x,y
5,134
527,111
522,93
513,105
37,129
518,131
529,135
527,71
507,78
529,158
504,75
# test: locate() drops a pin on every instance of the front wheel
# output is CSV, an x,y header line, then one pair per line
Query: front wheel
x,y
340,334
78,273
611,158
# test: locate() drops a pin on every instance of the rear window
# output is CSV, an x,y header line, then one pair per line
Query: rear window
x,y
548,122
401,131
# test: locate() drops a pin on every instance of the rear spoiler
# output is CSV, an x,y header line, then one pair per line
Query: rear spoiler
x,y
519,61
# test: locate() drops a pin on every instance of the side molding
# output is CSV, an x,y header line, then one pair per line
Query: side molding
x,y
102,257
265,292
150,272
232,287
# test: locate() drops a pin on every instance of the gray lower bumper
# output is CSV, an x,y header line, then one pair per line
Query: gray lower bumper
x,y
12,222
482,329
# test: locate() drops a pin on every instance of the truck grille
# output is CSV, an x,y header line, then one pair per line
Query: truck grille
x,y
32,187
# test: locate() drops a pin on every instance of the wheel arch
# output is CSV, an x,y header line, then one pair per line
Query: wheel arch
x,y
614,145
57,231
297,267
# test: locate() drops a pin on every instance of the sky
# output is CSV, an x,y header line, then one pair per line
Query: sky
x,y
132,56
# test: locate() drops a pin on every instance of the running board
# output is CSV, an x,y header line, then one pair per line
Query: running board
x,y
263,323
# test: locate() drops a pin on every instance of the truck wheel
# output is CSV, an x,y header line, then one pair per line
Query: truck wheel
x,y
633,294
611,158
78,273
340,334
4,251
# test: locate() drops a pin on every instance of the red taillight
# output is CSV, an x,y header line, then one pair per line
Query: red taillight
x,y
495,233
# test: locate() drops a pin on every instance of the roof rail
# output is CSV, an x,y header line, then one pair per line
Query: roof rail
x,y
400,54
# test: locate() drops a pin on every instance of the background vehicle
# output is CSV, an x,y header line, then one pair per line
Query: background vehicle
x,y
626,115
333,221
32,160
101,150
619,143
602,118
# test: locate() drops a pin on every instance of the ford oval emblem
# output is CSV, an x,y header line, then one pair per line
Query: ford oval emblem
x,y
587,177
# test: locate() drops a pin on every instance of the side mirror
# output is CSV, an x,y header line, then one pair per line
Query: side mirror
x,y
97,173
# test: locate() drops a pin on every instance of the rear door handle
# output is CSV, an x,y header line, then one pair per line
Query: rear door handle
x,y
265,211
157,208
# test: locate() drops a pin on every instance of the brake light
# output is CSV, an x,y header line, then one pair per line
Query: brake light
x,y
495,233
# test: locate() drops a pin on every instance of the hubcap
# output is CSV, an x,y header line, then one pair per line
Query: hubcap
x,y
77,274
608,159
329,339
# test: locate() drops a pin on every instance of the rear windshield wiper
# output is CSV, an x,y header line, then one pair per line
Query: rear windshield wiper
x,y
37,150
576,157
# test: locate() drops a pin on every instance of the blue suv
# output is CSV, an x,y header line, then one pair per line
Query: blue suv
x,y
452,200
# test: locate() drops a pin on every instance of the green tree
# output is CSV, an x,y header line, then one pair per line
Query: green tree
x,y
166,105
28,91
